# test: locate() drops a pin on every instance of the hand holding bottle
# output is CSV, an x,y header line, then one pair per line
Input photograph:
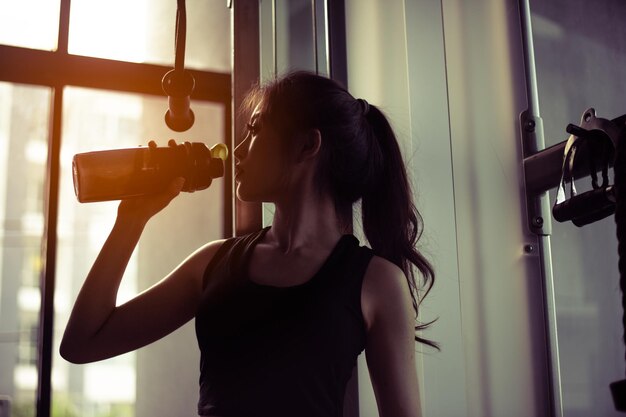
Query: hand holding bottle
x,y
143,208
134,172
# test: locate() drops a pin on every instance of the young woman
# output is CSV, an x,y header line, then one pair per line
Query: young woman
x,y
282,314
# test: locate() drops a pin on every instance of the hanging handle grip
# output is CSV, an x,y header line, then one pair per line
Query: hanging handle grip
x,y
178,84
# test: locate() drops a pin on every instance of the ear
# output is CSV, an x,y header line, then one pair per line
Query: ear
x,y
311,143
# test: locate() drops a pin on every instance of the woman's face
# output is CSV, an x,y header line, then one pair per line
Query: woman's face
x,y
261,163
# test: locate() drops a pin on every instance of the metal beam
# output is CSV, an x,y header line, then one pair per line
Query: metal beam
x,y
543,169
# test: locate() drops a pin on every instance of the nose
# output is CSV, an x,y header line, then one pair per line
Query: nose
x,y
241,150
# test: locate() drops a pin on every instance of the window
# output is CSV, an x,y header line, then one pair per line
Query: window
x,y
54,104
24,113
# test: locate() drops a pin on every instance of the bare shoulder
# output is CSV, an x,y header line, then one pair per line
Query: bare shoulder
x,y
208,250
205,253
385,291
384,278
390,346
197,262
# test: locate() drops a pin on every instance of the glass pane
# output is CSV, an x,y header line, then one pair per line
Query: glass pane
x,y
144,31
287,36
131,384
24,113
30,23
580,53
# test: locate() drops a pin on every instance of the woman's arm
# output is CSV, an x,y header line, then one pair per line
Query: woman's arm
x,y
97,328
390,350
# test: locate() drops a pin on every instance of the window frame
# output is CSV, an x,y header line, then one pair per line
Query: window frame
x,y
56,70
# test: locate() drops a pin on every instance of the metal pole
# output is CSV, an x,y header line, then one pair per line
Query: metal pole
x,y
539,211
326,38
554,365
529,58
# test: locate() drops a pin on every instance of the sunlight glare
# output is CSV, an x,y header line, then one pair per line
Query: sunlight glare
x,y
29,23
114,29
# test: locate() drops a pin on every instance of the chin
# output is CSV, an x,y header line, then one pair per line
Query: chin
x,y
247,196
247,199
253,198
256,194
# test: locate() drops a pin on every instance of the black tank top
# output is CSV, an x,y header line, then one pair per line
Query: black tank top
x,y
272,351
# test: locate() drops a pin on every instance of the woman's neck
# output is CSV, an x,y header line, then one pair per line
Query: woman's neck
x,y
305,221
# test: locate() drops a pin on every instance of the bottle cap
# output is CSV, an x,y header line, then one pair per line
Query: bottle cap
x,y
220,151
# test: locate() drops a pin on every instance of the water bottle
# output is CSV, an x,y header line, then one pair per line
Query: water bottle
x,y
133,172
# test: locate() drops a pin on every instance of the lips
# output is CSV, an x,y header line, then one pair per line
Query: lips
x,y
238,172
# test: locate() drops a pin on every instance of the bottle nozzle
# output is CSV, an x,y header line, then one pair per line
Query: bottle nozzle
x,y
219,151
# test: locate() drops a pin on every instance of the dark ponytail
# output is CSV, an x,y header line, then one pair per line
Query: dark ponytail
x,y
391,222
359,160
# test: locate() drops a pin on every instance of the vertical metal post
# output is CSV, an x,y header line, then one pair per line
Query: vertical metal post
x,y
326,44
538,208
320,36
246,73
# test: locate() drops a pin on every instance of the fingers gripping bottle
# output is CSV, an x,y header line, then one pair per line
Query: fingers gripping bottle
x,y
119,174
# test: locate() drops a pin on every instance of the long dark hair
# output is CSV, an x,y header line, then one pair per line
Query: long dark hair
x,y
359,160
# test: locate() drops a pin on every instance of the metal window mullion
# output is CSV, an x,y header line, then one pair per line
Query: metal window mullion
x,y
49,246
64,27
49,255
